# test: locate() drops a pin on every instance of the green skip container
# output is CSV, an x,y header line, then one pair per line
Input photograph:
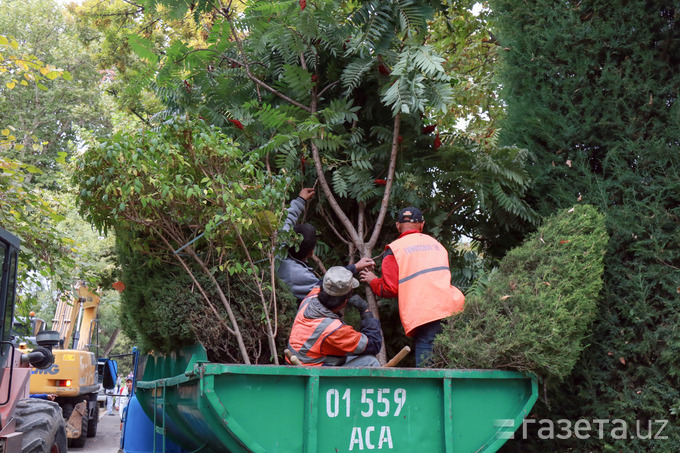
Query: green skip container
x,y
214,407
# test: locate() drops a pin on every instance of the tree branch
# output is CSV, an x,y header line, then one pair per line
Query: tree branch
x,y
327,87
246,67
270,333
318,262
388,186
330,224
142,119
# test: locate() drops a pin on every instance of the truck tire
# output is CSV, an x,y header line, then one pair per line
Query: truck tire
x,y
94,419
42,425
66,410
77,442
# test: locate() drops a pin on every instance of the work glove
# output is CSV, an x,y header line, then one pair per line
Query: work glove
x,y
358,302
361,305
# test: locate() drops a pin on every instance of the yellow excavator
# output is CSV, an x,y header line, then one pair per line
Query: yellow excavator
x,y
73,376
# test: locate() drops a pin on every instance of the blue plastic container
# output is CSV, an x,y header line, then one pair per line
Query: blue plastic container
x,y
138,433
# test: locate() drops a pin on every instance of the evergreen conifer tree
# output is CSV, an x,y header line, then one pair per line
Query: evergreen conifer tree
x,y
592,93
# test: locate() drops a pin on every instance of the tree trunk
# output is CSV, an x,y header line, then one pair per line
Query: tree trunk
x,y
111,343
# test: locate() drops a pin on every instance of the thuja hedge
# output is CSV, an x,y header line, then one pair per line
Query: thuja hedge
x,y
163,310
591,89
535,312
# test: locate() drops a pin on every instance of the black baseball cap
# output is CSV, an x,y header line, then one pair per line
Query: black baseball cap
x,y
410,214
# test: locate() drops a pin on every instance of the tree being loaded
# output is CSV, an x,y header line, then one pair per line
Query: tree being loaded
x,y
164,310
189,198
535,312
346,54
295,83
333,94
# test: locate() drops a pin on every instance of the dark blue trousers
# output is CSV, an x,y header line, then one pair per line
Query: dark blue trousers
x,y
424,339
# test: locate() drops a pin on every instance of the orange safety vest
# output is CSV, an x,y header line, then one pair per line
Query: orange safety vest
x,y
308,335
425,292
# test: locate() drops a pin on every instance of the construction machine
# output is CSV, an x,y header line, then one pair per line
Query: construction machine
x,y
73,377
27,425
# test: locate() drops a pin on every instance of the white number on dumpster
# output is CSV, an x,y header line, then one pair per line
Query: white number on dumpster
x,y
372,400
345,397
333,402
400,399
384,401
368,401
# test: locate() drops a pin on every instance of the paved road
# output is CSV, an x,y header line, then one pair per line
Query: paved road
x,y
107,439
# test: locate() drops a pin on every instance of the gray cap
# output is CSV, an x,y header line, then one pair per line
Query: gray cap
x,y
339,281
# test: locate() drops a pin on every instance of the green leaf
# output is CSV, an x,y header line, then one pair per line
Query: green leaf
x,y
53,75
142,47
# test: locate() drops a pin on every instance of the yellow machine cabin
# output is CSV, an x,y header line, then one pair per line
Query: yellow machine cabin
x,y
73,376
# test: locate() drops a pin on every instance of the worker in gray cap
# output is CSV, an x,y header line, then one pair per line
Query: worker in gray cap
x,y
415,269
319,337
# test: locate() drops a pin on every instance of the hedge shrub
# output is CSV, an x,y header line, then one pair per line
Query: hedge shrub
x,y
535,312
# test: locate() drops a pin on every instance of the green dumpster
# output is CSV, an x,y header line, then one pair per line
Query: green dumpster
x,y
213,407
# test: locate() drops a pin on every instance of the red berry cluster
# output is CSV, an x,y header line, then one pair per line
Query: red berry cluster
x,y
237,123
437,141
428,129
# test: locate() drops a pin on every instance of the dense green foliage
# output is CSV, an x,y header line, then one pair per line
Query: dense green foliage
x,y
163,310
111,29
329,94
46,113
48,91
186,196
463,35
354,89
592,93
535,312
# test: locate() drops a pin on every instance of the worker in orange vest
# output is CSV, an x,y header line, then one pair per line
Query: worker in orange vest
x,y
320,338
415,269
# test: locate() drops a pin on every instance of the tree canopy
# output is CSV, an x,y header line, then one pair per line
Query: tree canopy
x,y
330,94
49,95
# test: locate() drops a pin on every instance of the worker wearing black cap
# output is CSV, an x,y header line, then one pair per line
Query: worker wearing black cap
x,y
415,269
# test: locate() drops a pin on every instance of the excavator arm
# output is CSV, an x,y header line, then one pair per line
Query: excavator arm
x,y
78,314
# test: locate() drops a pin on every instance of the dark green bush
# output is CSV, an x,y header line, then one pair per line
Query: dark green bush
x,y
592,93
536,310
163,310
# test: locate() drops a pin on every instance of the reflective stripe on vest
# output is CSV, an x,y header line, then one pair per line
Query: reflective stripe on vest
x,y
425,292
